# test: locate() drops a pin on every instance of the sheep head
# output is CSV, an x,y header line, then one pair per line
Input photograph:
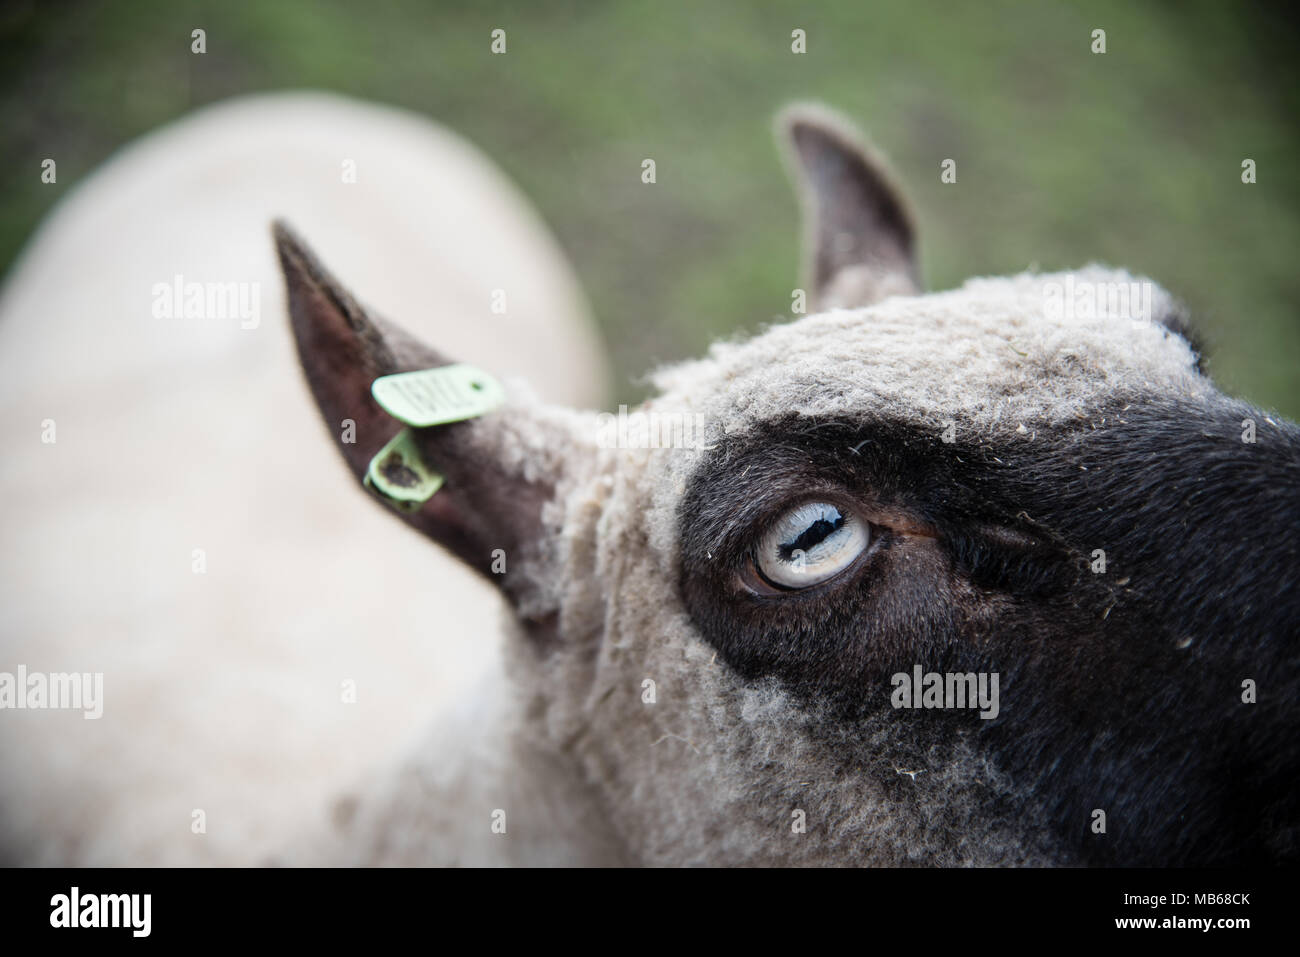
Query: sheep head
x,y
1026,480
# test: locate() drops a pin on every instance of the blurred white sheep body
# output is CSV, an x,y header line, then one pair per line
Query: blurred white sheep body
x,y
224,690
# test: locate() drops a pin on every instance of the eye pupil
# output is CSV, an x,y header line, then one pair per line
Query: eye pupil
x,y
813,535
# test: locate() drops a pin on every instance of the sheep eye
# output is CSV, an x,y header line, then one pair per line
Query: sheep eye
x,y
810,544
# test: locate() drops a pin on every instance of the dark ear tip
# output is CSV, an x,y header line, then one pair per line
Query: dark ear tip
x,y
809,124
819,138
293,252
304,275
283,234
300,265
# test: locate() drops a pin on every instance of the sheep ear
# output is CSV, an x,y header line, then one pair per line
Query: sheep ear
x,y
499,470
859,238
342,350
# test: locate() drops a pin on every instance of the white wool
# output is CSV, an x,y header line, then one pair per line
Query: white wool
x,y
986,354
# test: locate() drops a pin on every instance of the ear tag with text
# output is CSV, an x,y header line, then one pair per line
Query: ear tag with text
x,y
421,399
437,396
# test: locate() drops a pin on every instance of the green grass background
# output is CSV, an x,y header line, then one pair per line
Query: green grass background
x,y
1130,158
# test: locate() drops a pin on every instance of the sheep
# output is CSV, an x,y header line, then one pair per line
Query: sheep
x,y
705,642
722,654
182,535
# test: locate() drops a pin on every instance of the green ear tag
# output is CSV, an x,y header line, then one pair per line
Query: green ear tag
x,y
400,475
421,399
437,396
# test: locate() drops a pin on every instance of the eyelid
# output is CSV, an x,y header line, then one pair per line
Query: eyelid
x,y
885,524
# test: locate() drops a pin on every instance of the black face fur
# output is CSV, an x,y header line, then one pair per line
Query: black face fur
x,y
1120,691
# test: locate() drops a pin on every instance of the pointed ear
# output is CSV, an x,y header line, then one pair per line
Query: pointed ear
x,y
499,469
859,244
343,349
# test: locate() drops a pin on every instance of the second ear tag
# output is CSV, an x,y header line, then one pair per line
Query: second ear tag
x,y
437,396
399,474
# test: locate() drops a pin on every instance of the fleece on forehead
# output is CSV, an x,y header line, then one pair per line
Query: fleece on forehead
x,y
993,356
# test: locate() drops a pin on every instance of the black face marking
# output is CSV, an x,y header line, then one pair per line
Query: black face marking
x,y
833,641
1121,690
